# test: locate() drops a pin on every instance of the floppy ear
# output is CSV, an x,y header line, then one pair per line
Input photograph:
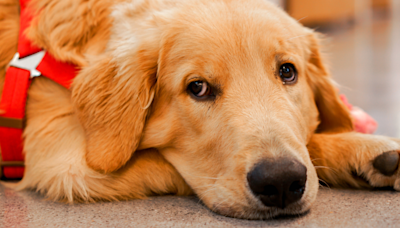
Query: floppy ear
x,y
112,103
334,115
113,93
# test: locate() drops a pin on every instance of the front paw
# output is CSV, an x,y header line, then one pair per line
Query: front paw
x,y
384,170
387,163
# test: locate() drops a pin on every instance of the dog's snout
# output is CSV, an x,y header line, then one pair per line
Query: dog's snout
x,y
278,183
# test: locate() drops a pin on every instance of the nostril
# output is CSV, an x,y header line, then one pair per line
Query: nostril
x,y
269,190
297,188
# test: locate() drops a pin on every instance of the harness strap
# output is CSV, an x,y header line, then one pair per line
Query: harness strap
x,y
13,102
15,93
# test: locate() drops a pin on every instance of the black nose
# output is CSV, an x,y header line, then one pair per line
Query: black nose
x,y
278,183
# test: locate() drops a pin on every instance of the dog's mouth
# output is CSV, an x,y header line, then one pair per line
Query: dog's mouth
x,y
270,189
255,210
249,206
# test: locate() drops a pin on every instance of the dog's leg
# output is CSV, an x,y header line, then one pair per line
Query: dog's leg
x,y
356,160
9,28
55,157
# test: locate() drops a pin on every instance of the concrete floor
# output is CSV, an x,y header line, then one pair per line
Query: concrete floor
x,y
333,208
364,60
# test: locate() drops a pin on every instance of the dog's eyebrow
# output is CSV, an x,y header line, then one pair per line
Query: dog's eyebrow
x,y
283,58
191,77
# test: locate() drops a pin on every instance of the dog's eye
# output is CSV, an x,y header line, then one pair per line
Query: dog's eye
x,y
288,73
199,89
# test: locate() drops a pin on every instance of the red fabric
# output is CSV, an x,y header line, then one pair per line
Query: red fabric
x,y
363,122
25,46
13,172
23,4
13,102
60,72
15,92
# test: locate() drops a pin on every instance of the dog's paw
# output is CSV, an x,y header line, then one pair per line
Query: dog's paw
x,y
384,170
387,163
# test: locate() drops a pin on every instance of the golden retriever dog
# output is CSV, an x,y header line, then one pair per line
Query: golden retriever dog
x,y
226,99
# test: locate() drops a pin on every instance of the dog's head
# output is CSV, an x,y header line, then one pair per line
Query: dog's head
x,y
229,92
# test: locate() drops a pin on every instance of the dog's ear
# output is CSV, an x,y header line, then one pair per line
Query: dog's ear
x,y
334,115
112,103
112,95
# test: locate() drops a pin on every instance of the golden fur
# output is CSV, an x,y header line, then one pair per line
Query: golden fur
x,y
128,129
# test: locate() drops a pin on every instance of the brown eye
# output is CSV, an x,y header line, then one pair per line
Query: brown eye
x,y
288,73
199,89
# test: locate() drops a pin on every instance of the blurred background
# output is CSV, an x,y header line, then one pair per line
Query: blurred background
x,y
362,49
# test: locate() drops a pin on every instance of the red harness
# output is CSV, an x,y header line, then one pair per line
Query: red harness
x,y
29,62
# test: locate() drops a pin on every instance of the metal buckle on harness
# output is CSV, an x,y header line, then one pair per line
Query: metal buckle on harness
x,y
29,63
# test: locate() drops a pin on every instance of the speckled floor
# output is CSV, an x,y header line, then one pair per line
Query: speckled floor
x,y
364,60
333,208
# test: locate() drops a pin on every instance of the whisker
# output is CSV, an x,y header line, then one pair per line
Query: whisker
x,y
203,194
315,28
221,202
302,18
226,199
327,185
322,167
296,37
213,178
205,186
325,167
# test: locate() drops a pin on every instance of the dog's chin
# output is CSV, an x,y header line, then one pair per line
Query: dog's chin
x,y
258,212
